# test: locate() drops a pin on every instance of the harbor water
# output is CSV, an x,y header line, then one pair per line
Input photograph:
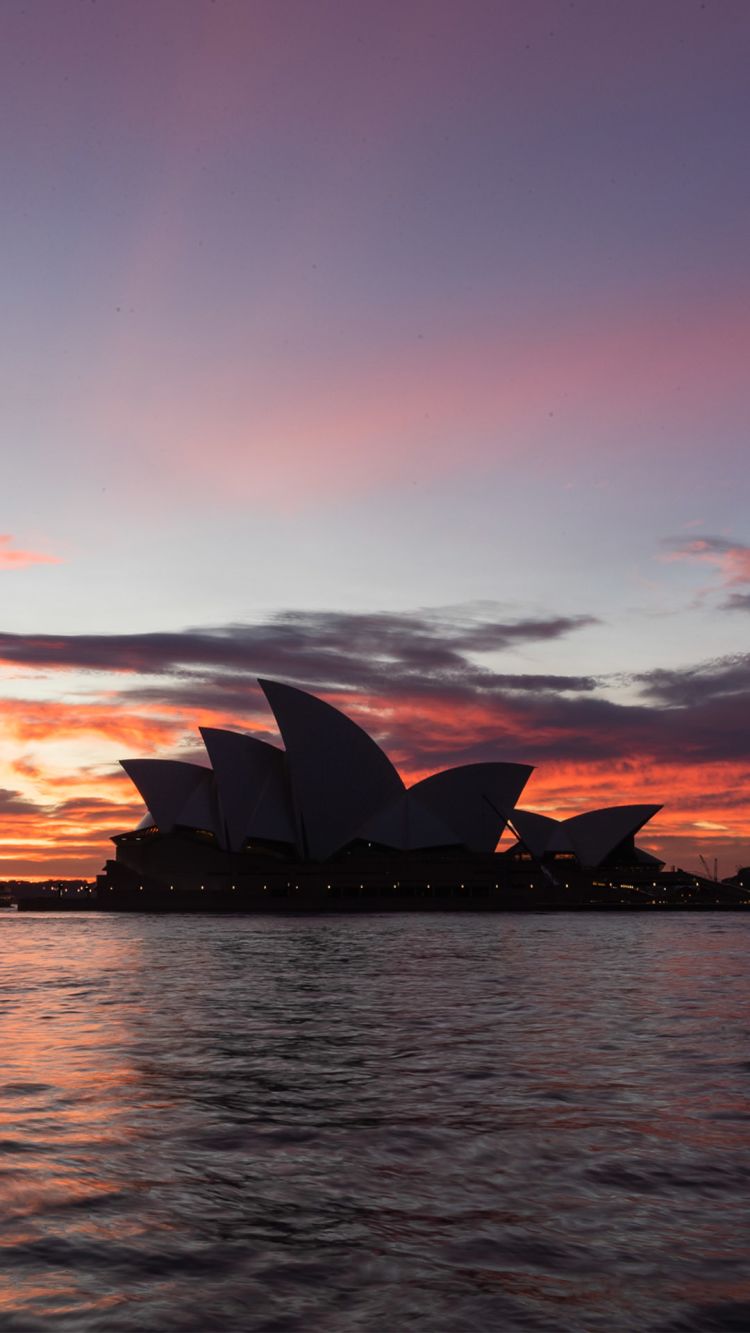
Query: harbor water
x,y
346,1124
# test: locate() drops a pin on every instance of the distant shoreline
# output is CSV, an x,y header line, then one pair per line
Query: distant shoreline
x,y
369,905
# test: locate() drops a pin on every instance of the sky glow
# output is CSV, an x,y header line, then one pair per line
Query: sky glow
x,y
397,351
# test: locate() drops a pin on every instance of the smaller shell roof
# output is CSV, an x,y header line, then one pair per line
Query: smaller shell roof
x,y
406,824
201,807
252,787
533,830
474,799
596,833
592,835
165,786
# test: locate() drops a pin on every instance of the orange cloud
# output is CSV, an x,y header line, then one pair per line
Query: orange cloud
x,y
12,557
44,721
732,559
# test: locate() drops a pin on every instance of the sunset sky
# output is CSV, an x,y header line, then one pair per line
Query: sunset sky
x,y
396,350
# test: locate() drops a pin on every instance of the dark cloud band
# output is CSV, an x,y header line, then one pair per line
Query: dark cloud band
x,y
333,649
446,701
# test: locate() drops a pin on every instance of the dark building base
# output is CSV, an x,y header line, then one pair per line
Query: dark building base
x,y
469,884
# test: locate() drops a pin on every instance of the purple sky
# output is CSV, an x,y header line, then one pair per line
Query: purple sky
x,y
402,349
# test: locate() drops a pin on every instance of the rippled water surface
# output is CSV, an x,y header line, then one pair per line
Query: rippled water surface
x,y
379,1123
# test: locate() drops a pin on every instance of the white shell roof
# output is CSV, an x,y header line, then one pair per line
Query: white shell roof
x,y
165,785
534,831
333,784
201,808
475,799
591,835
339,775
408,823
252,787
597,832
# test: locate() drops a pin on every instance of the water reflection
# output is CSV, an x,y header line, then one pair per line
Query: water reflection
x,y
440,1123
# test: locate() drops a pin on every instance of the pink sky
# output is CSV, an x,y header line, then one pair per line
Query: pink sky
x,y
370,310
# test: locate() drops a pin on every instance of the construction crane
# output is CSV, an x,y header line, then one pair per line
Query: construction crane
x,y
707,868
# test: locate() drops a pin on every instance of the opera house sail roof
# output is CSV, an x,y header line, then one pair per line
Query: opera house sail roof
x,y
328,807
590,837
330,786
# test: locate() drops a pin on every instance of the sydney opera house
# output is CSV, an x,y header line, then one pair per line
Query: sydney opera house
x,y
328,822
